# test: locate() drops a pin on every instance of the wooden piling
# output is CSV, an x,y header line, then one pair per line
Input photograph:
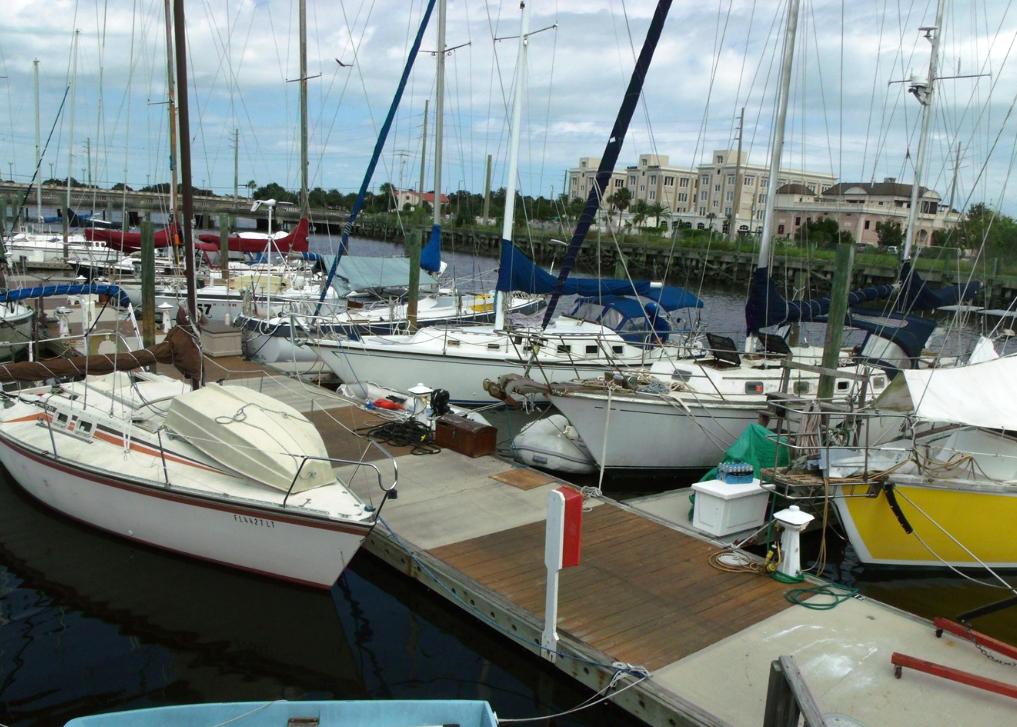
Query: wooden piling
x,y
147,283
414,240
225,223
835,319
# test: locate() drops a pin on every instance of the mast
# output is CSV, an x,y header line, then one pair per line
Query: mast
x,y
304,205
732,226
171,99
510,183
70,145
611,151
38,142
766,241
439,111
923,92
423,153
185,160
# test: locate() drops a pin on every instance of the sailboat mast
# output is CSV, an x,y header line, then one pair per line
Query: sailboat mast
x,y
304,204
70,145
38,141
171,99
439,109
766,242
513,163
185,158
924,96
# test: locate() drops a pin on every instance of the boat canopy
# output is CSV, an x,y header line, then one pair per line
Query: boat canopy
x,y
980,395
517,272
634,320
917,295
359,272
44,291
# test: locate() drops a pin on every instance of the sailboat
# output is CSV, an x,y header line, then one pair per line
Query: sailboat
x,y
220,473
460,359
361,294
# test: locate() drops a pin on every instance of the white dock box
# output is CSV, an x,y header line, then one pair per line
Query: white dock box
x,y
722,509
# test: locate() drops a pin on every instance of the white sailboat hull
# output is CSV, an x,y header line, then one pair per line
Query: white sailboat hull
x,y
654,433
263,541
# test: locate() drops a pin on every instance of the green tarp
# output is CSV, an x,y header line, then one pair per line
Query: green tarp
x,y
756,447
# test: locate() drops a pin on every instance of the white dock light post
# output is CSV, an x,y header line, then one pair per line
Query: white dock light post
x,y
167,319
562,540
793,521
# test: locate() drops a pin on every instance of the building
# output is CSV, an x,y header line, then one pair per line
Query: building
x,y
412,198
858,207
702,197
724,185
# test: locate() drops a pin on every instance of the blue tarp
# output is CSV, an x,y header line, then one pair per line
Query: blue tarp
x,y
518,272
42,291
629,317
767,307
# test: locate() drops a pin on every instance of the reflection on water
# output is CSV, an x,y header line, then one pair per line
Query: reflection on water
x,y
91,623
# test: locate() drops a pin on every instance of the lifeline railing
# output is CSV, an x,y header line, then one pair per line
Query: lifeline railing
x,y
387,491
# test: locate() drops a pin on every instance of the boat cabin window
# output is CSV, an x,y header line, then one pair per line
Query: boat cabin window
x,y
618,349
494,346
802,387
564,348
753,387
61,418
591,349
453,342
843,385
878,382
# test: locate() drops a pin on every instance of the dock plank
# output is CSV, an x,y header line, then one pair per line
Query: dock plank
x,y
644,593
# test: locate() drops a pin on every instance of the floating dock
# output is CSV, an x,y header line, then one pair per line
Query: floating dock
x,y
644,600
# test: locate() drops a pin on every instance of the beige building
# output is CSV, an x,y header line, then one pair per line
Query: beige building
x,y
702,197
858,207
725,185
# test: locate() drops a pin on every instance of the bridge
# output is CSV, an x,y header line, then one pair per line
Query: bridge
x,y
206,208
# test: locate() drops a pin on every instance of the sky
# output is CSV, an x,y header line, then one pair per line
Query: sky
x,y
846,115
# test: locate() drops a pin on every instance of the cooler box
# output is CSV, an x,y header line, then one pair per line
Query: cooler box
x,y
722,508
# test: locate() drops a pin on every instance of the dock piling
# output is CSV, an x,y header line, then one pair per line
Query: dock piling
x,y
147,283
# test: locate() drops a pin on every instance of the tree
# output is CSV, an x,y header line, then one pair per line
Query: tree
x,y
620,201
120,187
640,211
251,186
985,227
889,234
656,211
823,231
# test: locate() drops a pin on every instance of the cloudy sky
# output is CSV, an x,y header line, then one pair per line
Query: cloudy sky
x,y
716,56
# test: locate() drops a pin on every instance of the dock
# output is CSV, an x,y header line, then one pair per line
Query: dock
x,y
645,617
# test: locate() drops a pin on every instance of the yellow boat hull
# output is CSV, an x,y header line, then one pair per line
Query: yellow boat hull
x,y
983,522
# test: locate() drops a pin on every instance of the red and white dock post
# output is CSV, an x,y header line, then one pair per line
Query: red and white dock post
x,y
562,541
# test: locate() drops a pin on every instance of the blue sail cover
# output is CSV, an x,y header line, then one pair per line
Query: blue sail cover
x,y
909,332
917,295
43,291
517,272
767,307
430,256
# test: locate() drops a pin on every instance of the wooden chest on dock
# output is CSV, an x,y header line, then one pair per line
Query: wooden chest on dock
x,y
461,435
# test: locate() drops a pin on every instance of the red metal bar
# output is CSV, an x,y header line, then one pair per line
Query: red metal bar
x,y
900,661
976,637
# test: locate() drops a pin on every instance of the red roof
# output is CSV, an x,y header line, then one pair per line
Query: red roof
x,y
429,197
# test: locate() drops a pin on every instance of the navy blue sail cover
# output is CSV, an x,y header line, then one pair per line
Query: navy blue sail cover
x,y
43,291
517,272
767,307
909,332
430,255
917,295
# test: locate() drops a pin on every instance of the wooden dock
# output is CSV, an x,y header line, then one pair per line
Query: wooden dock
x,y
678,641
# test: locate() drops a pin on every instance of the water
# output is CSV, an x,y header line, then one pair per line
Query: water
x,y
92,623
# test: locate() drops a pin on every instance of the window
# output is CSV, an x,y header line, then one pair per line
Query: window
x,y
716,203
720,159
705,179
683,196
729,195
780,229
564,348
591,349
702,212
702,196
683,182
811,187
653,179
798,221
730,179
866,226
727,211
716,188
748,180
618,183
762,198
653,194
668,181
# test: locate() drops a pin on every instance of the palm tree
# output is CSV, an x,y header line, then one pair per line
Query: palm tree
x,y
620,201
251,186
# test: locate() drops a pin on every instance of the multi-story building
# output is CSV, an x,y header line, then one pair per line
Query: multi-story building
x,y
725,185
858,207
703,197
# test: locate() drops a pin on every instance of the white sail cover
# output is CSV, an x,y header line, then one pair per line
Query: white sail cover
x,y
253,435
981,394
